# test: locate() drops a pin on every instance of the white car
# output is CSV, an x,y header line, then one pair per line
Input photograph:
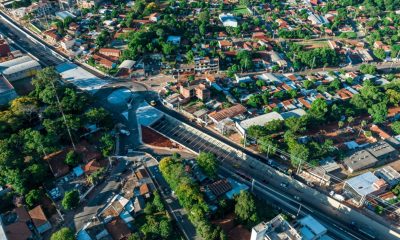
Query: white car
x,y
125,132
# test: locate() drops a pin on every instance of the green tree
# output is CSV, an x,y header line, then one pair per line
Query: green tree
x,y
396,127
368,69
245,208
33,197
157,202
165,228
378,112
318,110
72,158
107,145
267,145
380,54
70,200
208,162
63,234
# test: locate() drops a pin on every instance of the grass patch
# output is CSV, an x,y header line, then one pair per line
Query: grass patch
x,y
241,10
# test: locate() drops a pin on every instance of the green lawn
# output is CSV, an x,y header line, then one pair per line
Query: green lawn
x,y
241,10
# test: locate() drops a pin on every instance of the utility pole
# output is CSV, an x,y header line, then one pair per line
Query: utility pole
x,y
252,185
63,116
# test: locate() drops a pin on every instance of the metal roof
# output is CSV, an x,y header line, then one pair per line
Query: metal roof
x,y
14,62
261,120
21,67
363,184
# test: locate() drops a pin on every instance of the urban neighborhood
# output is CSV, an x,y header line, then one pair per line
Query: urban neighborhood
x,y
214,120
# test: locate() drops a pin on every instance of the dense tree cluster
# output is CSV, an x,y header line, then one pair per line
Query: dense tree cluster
x,y
33,127
189,196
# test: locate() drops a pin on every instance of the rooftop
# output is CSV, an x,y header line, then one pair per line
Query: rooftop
x,y
261,120
363,184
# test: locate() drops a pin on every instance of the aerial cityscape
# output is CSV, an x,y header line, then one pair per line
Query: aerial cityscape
x,y
199,120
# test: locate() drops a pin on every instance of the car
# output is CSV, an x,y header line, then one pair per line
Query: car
x,y
297,198
125,132
284,185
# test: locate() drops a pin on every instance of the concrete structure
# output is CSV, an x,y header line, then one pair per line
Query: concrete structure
x,y
206,64
81,78
361,186
387,173
377,154
276,229
7,92
228,20
310,228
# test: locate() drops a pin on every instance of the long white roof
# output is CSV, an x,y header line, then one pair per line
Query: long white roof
x,y
14,62
261,120
21,67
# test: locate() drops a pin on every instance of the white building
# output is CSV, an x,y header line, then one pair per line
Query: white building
x,y
257,121
228,20
67,42
19,68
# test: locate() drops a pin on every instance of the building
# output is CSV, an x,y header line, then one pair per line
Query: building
x,y
310,229
228,20
257,121
307,228
154,17
200,91
231,112
206,64
67,42
19,68
389,174
276,229
377,154
360,160
16,225
361,186
7,91
51,36
176,40
39,219
110,52
383,151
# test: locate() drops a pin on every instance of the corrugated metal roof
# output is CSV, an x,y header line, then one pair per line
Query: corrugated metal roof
x,y
21,67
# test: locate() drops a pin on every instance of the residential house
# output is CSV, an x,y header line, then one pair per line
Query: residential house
x,y
67,42
200,91
206,64
56,163
110,52
276,229
231,112
51,36
16,225
118,229
39,219
361,186
389,174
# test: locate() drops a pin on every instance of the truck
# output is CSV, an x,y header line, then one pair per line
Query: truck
x,y
336,196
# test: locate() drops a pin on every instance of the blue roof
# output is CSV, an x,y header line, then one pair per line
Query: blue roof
x,y
78,171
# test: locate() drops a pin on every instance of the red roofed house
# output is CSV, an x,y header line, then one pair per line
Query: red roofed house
x,y
56,163
39,219
110,52
91,167
14,225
